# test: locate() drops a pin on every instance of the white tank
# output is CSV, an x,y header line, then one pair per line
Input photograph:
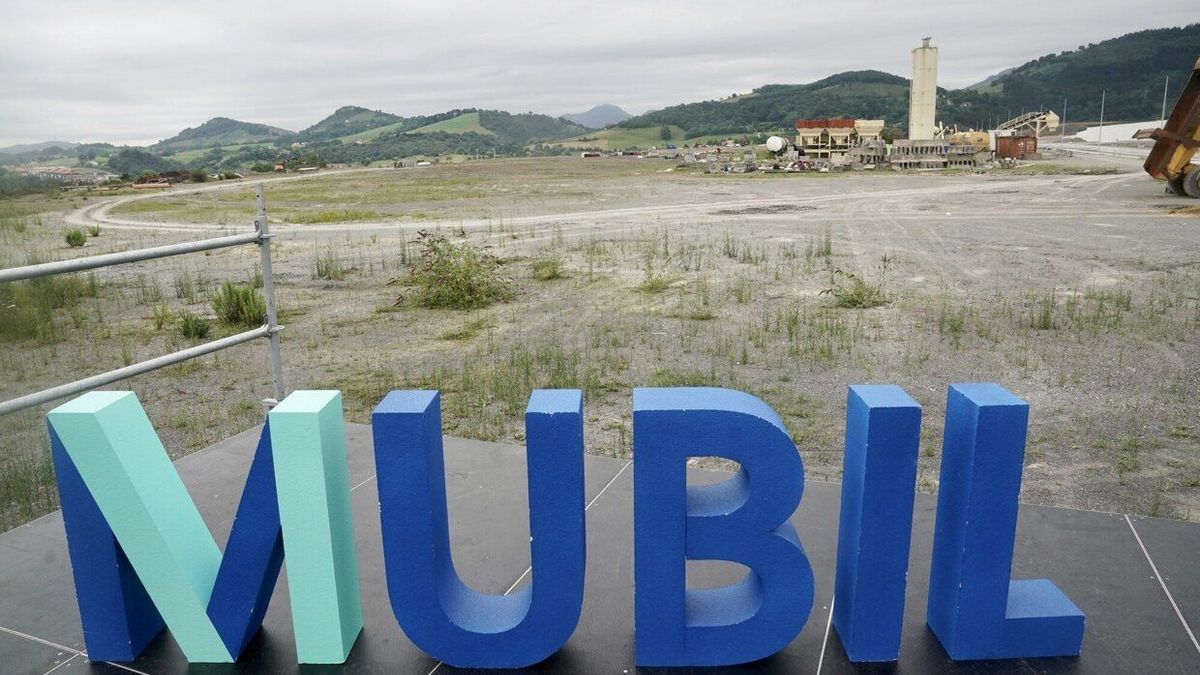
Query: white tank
x,y
777,143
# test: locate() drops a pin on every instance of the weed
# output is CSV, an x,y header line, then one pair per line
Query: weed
x,y
93,230
239,305
457,276
653,282
329,267
185,289
161,315
1042,316
851,291
468,330
547,267
192,327
27,307
75,237
668,377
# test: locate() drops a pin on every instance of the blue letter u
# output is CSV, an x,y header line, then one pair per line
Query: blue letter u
x,y
439,613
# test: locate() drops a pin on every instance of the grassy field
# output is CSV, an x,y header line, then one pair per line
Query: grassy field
x,y
457,125
618,138
1080,293
186,156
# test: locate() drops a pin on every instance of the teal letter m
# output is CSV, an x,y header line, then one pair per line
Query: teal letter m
x,y
142,556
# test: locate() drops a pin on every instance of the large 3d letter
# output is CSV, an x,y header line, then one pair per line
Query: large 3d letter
x,y
883,428
142,556
743,519
974,609
438,612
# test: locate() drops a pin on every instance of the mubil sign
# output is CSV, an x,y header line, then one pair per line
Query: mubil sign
x,y
143,559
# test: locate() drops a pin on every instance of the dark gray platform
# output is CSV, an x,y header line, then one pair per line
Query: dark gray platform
x,y
1136,622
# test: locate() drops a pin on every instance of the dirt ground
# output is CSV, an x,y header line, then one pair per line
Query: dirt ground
x,y
1074,282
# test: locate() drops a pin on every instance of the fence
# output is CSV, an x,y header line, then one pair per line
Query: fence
x,y
270,328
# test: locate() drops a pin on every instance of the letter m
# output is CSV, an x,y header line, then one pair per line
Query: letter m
x,y
143,558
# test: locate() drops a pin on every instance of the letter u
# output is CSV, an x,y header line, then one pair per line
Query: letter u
x,y
441,615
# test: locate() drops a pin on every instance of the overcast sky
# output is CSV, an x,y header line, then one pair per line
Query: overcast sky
x,y
137,72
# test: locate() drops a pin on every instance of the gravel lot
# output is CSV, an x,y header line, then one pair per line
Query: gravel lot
x,y
1074,282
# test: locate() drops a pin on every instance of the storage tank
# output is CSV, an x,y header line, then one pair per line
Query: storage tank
x,y
922,95
777,144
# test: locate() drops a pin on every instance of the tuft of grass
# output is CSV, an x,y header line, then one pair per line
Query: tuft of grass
x,y
75,237
239,305
192,327
669,377
329,267
161,315
468,330
330,216
1042,317
457,276
547,268
93,230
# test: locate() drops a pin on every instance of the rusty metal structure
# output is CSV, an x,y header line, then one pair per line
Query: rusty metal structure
x,y
1015,147
1172,157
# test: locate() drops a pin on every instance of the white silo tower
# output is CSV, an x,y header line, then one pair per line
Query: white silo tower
x,y
922,95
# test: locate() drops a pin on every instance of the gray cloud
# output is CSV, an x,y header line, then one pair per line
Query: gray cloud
x,y
137,72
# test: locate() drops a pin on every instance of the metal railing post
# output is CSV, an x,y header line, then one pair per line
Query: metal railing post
x,y
272,318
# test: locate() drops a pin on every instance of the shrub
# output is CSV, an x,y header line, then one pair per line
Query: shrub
x,y
75,238
852,291
192,327
547,268
457,276
238,305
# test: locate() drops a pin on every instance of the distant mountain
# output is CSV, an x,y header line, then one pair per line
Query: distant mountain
x,y
346,121
525,128
220,131
36,147
599,116
867,94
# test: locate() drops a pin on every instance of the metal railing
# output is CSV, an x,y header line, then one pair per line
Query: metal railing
x,y
270,328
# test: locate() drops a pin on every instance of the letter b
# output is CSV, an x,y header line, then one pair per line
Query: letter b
x,y
743,519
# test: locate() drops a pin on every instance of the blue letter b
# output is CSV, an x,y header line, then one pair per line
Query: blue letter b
x,y
743,520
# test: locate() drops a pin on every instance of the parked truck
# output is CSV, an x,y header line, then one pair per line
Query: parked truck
x,y
1172,158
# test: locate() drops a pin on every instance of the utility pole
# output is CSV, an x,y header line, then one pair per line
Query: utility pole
x,y
1100,141
1163,114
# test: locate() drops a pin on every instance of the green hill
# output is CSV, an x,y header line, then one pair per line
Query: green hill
x,y
455,125
220,131
347,121
1130,70
866,93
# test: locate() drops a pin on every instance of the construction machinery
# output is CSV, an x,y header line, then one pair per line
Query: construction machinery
x,y
1177,142
1037,121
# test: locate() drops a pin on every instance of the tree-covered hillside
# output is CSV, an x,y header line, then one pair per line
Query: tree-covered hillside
x,y
217,132
345,121
866,93
1130,68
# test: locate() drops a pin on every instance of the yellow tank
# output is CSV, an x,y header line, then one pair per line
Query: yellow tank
x,y
979,139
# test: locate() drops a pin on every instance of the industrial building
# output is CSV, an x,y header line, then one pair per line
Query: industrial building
x,y
832,139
